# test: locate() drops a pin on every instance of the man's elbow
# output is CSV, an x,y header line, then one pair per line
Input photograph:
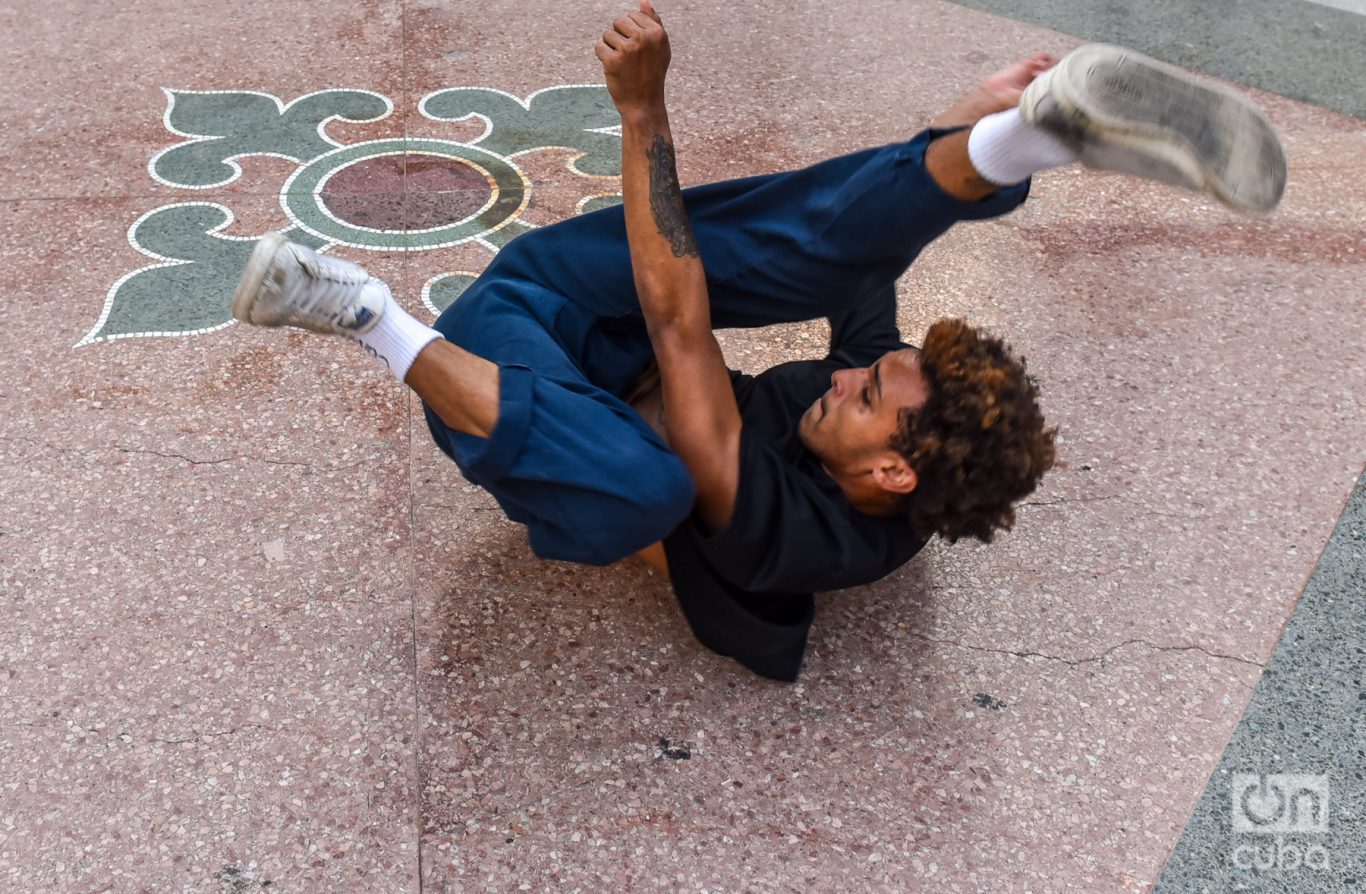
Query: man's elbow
x,y
677,333
670,299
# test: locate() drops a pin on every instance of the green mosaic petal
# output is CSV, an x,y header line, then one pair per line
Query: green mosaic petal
x,y
243,123
442,291
505,234
190,291
558,116
597,203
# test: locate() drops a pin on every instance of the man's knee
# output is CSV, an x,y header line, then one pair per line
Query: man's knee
x,y
647,502
657,495
668,496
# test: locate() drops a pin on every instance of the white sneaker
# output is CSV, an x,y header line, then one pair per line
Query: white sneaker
x,y
1121,111
287,284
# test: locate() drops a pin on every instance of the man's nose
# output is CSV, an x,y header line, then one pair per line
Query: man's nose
x,y
842,379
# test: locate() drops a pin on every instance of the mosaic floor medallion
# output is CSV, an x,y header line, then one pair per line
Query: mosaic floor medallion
x,y
438,197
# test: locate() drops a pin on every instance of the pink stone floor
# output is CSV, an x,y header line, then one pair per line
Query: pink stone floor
x,y
256,633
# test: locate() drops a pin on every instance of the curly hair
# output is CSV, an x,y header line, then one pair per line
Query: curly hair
x,y
979,442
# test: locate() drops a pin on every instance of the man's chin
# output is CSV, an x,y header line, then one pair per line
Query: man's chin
x,y
806,422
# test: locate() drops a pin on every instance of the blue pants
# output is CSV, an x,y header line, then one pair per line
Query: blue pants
x,y
557,311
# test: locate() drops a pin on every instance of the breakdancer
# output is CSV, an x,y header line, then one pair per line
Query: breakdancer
x,y
579,381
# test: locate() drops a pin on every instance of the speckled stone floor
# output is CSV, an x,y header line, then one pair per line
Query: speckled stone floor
x,y
256,634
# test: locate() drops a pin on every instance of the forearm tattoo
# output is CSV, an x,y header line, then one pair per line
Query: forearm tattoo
x,y
666,199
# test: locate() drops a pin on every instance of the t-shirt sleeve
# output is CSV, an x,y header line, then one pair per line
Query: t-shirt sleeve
x,y
788,534
864,331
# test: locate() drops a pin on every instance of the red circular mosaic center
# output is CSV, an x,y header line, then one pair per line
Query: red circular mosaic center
x,y
406,192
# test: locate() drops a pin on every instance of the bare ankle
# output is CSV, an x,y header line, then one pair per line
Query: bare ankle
x,y
946,160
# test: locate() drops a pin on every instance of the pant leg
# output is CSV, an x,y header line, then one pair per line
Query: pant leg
x,y
777,248
576,465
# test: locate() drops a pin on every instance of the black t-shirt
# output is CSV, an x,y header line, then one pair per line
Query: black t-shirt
x,y
747,591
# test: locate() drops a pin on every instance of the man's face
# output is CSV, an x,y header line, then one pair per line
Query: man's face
x,y
851,426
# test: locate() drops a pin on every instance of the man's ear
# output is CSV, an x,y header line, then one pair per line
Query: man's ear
x,y
893,474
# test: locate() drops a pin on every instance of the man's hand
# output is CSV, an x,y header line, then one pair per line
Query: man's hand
x,y
635,56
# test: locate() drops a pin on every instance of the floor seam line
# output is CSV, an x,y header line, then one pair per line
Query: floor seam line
x,y
419,788
1073,662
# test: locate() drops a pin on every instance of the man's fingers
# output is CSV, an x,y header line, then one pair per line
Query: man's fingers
x,y
635,25
603,52
643,21
627,26
649,10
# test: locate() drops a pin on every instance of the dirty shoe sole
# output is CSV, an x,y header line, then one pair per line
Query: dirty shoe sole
x,y
249,286
1125,112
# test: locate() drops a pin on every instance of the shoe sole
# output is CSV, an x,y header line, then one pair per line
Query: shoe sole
x,y
258,265
1130,113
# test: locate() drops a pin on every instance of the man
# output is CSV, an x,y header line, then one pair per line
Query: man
x,y
579,380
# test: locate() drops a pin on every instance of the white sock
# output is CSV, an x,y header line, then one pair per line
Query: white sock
x,y
1005,149
398,337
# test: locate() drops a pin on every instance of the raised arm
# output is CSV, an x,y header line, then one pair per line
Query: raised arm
x,y
702,418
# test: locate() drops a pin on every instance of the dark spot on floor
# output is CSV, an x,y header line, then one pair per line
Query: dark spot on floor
x,y
680,752
236,880
983,700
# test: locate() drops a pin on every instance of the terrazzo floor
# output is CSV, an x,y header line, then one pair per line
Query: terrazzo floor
x,y
257,634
